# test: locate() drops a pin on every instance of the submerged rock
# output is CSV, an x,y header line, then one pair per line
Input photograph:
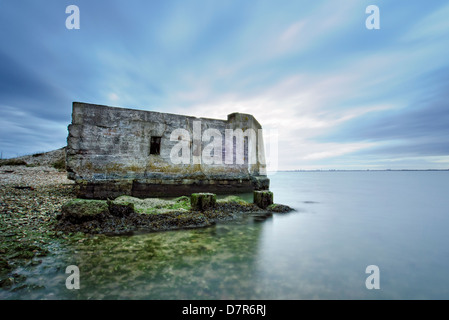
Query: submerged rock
x,y
279,208
4,265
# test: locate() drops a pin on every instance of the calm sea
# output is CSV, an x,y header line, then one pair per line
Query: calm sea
x,y
343,223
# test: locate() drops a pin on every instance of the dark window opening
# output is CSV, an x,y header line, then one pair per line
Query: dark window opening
x,y
155,147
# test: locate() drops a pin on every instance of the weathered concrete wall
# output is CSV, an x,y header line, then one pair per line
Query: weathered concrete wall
x,y
108,153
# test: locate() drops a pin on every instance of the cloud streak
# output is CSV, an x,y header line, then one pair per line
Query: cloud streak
x,y
339,95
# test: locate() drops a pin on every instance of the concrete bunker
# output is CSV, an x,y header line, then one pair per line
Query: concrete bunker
x,y
116,151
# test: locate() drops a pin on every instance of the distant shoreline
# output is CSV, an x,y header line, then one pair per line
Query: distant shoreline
x,y
356,170
55,158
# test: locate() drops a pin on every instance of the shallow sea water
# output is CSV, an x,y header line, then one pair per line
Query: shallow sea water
x,y
344,222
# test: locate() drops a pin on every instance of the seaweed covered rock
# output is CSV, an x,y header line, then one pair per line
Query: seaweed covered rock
x,y
232,199
80,210
120,208
4,266
279,208
128,214
151,205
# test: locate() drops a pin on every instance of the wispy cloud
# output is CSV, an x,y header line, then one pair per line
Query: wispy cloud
x,y
338,95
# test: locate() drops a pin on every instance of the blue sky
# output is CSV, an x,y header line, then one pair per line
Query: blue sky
x,y
337,95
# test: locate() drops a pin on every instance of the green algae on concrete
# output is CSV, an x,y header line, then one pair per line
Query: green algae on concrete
x,y
128,214
232,199
154,205
203,201
87,209
263,198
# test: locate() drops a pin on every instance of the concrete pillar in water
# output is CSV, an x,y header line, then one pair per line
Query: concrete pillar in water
x,y
203,201
263,198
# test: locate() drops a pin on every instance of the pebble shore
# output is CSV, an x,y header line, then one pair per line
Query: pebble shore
x,y
30,198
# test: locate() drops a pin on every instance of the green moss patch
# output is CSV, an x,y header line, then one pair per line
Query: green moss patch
x,y
154,205
232,199
12,162
60,164
83,210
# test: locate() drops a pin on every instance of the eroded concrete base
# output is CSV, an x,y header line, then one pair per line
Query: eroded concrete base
x,y
110,189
